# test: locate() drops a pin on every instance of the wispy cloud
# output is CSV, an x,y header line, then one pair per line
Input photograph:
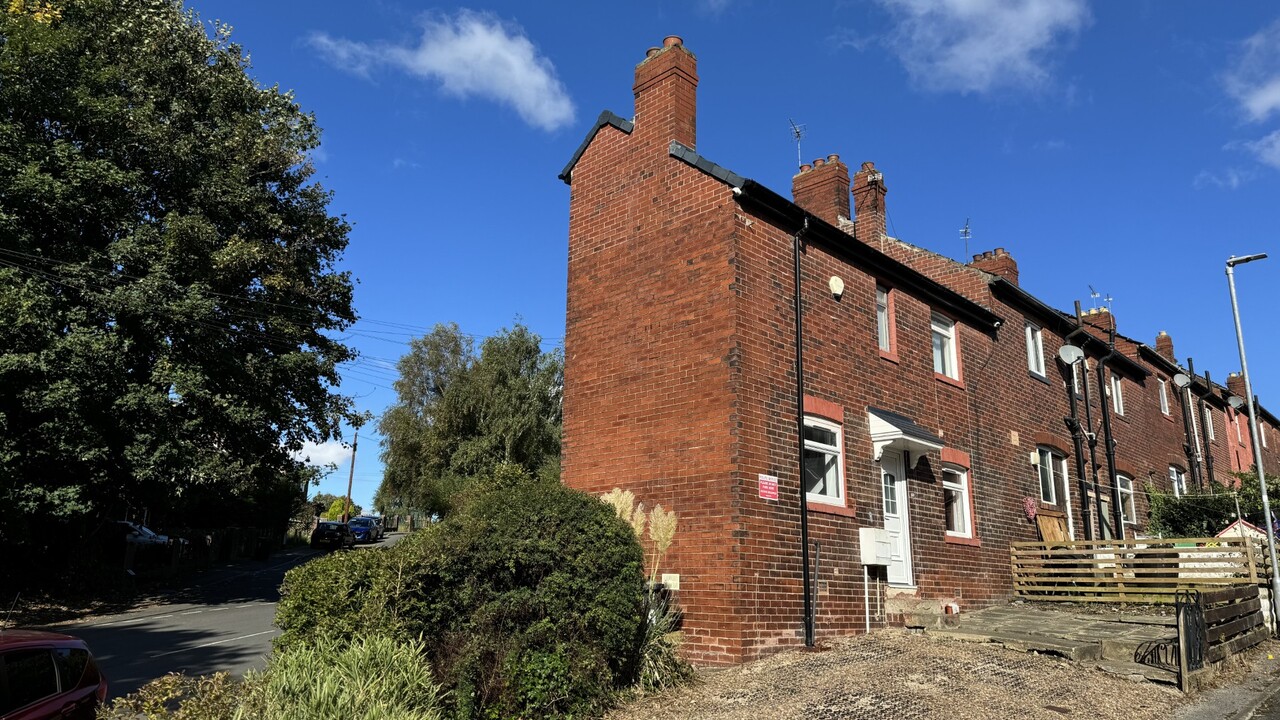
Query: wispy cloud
x,y
1050,145
1254,81
1266,150
470,54
714,7
1228,179
327,453
977,46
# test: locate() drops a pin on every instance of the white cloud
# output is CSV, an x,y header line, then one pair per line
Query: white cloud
x,y
469,54
327,453
1228,179
981,45
1267,150
1254,82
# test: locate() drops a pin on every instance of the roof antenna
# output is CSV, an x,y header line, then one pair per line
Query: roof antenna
x,y
797,131
965,234
1095,295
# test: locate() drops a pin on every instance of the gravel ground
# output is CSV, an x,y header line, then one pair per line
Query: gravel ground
x,y
893,674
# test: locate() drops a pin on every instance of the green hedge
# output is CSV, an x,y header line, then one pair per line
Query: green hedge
x,y
528,601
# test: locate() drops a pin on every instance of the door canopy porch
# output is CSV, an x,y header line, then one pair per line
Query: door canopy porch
x,y
889,430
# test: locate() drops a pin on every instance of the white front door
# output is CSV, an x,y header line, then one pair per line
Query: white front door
x,y
893,482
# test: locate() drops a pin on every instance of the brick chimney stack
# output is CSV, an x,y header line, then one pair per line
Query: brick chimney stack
x,y
666,94
1100,319
1235,384
1164,346
823,189
868,204
999,263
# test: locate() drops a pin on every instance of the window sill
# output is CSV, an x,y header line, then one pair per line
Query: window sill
x,y
890,356
947,380
958,540
1037,376
824,508
1168,416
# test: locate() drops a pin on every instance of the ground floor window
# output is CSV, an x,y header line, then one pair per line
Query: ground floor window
x,y
956,502
1125,486
1178,479
823,461
1053,475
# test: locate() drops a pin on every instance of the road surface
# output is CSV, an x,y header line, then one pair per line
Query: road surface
x,y
222,623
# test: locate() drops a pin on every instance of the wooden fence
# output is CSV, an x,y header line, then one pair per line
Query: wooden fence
x,y
1146,571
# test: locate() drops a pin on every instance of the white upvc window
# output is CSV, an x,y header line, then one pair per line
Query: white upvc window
x,y
1208,423
1262,430
1239,436
1125,485
956,506
1075,377
944,346
1035,349
1164,396
1117,394
823,461
1178,480
882,318
1053,475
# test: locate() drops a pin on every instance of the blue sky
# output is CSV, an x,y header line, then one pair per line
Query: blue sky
x,y
1128,146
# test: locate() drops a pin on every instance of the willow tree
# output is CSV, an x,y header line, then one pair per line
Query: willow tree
x,y
167,271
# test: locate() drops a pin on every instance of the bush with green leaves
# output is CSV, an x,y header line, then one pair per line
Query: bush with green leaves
x,y
1205,515
369,678
529,600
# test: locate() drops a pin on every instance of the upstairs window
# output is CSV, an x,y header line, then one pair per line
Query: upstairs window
x,y
1164,397
944,346
823,461
1035,349
1208,424
1178,480
955,502
1117,394
883,319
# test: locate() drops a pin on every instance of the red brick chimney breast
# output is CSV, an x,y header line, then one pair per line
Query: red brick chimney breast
x,y
1235,384
1164,346
666,94
823,189
999,263
868,204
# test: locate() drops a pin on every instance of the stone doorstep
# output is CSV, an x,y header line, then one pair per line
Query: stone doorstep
x,y
1139,673
1072,650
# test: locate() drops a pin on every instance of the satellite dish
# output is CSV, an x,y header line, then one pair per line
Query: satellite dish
x,y
1236,401
1070,354
1181,380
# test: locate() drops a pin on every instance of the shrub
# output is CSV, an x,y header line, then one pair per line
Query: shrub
x,y
528,599
370,678
661,666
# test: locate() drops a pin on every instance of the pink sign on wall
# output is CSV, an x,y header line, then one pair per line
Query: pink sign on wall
x,y
768,487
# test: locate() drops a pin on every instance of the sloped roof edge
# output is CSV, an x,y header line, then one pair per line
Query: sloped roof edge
x,y
606,118
794,217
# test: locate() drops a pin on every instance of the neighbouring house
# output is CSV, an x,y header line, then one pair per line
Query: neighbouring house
x,y
935,411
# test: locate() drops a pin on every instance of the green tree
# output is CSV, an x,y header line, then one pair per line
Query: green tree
x,y
337,506
460,414
167,271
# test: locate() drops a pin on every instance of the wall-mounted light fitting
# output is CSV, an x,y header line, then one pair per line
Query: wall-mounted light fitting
x,y
837,286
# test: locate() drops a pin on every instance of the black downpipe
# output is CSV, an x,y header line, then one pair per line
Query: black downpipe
x,y
1188,429
804,505
1204,431
1089,433
1109,443
1077,440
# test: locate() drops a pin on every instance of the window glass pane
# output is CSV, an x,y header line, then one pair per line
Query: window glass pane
x,y
1106,520
890,494
822,473
882,317
1046,478
955,501
1164,397
1208,423
940,353
823,435
73,665
31,676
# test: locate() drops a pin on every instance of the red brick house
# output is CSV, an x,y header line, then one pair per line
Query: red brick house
x,y
934,408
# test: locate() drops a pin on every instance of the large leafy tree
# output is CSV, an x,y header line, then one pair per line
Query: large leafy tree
x,y
167,270
461,415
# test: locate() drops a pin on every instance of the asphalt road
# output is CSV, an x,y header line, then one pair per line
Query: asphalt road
x,y
221,623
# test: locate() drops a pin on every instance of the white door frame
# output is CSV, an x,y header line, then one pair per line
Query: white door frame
x,y
900,572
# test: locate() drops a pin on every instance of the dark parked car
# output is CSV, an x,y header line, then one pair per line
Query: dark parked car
x,y
331,535
366,529
48,675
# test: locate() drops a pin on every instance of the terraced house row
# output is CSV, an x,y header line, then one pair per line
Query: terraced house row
x,y
936,412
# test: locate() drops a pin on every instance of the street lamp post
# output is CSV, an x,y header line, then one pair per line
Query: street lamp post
x,y
1253,429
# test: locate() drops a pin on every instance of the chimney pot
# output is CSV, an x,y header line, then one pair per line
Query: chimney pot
x,y
1000,251
819,162
652,51
672,41
833,158
806,167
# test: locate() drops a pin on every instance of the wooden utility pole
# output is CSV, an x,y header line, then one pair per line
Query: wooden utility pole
x,y
346,508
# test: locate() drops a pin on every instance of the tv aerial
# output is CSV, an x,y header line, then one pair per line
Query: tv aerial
x,y
797,132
